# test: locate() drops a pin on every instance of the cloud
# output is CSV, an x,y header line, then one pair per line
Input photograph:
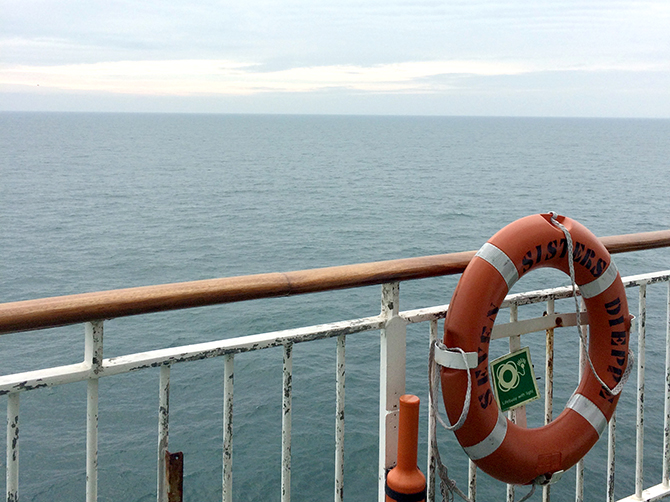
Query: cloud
x,y
197,77
222,77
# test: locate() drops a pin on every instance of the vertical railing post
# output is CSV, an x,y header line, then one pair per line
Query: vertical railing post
x,y
472,480
548,383
518,416
611,457
12,487
579,469
339,418
641,344
163,433
430,474
286,424
666,420
228,387
92,357
391,380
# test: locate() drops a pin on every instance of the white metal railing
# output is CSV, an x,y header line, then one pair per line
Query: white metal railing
x,y
392,325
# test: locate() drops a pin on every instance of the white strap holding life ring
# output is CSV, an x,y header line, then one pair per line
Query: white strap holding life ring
x,y
454,359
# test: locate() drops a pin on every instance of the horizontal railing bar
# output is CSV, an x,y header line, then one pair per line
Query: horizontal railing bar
x,y
536,324
123,364
63,310
650,278
440,311
425,314
48,377
562,292
537,296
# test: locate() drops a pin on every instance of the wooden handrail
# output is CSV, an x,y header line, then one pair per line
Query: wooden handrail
x,y
62,310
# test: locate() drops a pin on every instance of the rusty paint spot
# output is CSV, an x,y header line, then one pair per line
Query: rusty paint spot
x,y
174,467
559,322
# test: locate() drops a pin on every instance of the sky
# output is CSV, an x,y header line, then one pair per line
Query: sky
x,y
583,58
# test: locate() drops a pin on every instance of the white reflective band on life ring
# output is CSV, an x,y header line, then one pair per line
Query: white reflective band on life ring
x,y
491,442
585,407
594,288
500,262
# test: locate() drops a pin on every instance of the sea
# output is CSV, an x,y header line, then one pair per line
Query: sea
x,y
93,202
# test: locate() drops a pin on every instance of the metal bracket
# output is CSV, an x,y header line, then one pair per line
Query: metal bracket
x,y
549,479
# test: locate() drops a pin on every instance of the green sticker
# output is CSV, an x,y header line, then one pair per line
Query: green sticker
x,y
514,380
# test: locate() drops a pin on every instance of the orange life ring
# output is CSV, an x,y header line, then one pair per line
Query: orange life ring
x,y
506,451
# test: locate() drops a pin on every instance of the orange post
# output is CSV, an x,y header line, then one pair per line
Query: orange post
x,y
405,482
